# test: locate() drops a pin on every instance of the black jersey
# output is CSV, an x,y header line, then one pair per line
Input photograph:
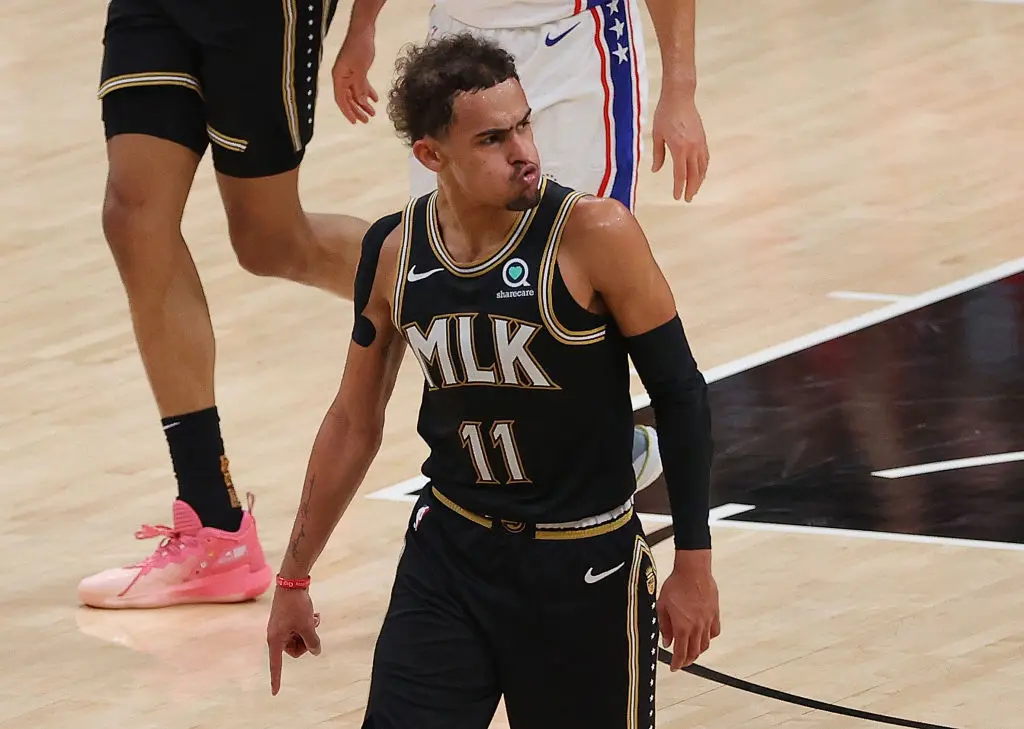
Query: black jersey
x,y
526,406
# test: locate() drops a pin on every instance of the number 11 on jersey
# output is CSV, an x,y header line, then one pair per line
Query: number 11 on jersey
x,y
502,439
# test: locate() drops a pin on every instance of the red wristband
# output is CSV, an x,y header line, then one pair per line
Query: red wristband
x,y
300,584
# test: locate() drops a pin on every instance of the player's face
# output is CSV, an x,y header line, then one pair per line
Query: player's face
x,y
489,152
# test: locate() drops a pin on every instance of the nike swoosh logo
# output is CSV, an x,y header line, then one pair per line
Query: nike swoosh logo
x,y
590,578
414,277
549,41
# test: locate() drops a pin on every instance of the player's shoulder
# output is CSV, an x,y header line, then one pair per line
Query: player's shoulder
x,y
382,241
591,211
377,257
593,221
383,232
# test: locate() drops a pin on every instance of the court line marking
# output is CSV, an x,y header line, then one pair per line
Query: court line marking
x,y
957,463
866,296
848,326
759,526
401,491
715,515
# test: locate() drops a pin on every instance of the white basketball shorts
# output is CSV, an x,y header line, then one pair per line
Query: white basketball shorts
x,y
586,80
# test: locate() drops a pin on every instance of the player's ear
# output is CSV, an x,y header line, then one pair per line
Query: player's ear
x,y
425,150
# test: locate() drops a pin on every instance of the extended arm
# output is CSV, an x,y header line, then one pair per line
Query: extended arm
x,y
674,22
350,435
676,122
353,92
365,12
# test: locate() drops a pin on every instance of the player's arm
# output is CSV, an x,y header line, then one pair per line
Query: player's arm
x,y
604,247
605,242
353,91
676,122
674,24
351,432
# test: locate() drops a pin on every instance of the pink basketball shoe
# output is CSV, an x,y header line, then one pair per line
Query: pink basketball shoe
x,y
193,564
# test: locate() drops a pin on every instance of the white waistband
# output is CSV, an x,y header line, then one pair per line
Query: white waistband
x,y
591,521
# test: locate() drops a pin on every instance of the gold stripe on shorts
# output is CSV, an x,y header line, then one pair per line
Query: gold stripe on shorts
x,y
325,14
633,627
291,110
233,144
149,78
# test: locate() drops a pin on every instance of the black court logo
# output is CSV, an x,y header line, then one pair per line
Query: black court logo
x,y
516,273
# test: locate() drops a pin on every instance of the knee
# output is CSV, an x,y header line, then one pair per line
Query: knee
x,y
267,250
131,221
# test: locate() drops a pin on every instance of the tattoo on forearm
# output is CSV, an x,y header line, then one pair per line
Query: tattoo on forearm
x,y
293,548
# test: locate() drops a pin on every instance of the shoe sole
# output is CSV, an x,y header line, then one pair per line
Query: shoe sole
x,y
237,586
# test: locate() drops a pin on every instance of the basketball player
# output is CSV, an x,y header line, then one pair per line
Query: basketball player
x,y
525,572
241,77
583,67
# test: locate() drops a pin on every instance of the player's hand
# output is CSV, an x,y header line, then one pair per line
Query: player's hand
x,y
291,629
353,92
677,125
688,608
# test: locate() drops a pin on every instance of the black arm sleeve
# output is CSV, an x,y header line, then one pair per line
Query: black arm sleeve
x,y
678,392
363,331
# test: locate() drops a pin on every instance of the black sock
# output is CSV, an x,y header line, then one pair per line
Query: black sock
x,y
204,482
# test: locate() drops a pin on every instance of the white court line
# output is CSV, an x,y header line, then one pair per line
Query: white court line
x,y
849,326
402,491
953,465
719,512
757,526
866,296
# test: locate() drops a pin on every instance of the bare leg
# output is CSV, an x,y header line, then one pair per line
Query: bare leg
x,y
273,236
142,222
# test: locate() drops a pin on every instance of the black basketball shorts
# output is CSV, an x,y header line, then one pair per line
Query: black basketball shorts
x,y
565,629
240,74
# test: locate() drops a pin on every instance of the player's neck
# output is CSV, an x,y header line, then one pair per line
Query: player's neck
x,y
472,232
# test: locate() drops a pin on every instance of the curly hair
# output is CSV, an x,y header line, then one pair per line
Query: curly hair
x,y
428,77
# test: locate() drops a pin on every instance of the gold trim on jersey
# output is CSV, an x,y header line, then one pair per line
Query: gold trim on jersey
x,y
403,263
150,78
511,241
633,627
233,144
547,276
547,533
291,109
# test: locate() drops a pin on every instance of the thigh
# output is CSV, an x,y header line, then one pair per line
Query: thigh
x,y
587,84
260,79
591,659
149,80
432,666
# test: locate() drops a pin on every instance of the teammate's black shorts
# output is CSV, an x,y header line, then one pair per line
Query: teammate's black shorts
x,y
565,630
241,74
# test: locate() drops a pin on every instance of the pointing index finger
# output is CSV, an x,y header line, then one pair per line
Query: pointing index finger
x,y
276,660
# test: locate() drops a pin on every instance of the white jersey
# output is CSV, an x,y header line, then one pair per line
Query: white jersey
x,y
585,76
512,13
